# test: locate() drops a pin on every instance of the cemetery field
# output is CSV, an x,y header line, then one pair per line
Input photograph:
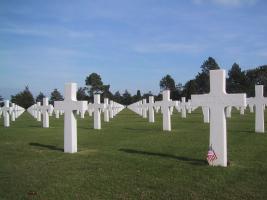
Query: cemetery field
x,y
131,159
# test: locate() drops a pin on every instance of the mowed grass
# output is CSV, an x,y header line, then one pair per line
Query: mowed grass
x,y
131,159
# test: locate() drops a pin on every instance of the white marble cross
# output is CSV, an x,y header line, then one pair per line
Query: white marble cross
x,y
206,114
242,110
183,105
259,101
228,111
97,106
144,108
151,117
250,104
165,105
217,100
38,110
45,109
90,109
6,110
111,103
13,112
69,105
106,111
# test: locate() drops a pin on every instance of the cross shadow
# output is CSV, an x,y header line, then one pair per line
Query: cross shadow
x,y
192,161
51,147
137,129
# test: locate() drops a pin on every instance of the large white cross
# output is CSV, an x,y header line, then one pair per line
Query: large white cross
x,y
6,110
45,109
228,111
69,105
206,114
165,105
217,100
97,106
259,101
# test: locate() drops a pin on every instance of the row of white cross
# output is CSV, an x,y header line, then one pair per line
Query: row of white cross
x,y
216,106
142,107
213,106
13,111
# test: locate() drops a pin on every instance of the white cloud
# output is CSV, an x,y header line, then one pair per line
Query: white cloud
x,y
233,3
46,31
168,47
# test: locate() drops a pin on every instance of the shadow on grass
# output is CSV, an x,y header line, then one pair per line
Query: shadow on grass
x,y
51,147
192,161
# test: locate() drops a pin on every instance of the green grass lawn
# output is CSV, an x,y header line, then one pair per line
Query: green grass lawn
x,y
131,159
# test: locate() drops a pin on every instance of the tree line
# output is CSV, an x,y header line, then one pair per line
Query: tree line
x,y
238,81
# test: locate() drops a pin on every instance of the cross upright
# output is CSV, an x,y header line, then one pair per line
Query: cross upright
x,y
250,104
38,111
69,105
45,109
13,112
206,114
6,110
97,106
150,105
259,101
90,109
111,104
183,107
217,100
144,108
165,105
106,111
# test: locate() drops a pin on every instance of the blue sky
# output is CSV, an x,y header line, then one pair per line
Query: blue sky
x,y
132,44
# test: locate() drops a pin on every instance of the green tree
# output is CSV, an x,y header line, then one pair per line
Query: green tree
x,y
236,82
189,88
126,98
1,101
95,84
40,97
24,99
137,97
202,79
168,83
55,96
117,97
81,94
257,76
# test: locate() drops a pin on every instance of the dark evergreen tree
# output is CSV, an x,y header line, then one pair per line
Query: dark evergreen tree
x,y
24,99
189,88
168,83
126,98
55,96
95,84
236,82
40,97
202,79
1,101
81,94
117,97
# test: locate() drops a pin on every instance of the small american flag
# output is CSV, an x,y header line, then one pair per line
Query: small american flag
x,y
211,155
